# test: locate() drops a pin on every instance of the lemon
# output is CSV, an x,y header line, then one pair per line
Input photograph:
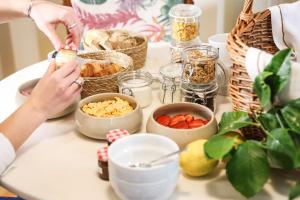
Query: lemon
x,y
194,162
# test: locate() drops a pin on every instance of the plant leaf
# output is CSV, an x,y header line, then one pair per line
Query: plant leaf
x,y
291,115
294,192
262,89
268,121
232,121
248,170
280,66
282,150
219,146
296,139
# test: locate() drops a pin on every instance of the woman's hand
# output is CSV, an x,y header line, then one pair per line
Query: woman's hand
x,y
48,16
57,89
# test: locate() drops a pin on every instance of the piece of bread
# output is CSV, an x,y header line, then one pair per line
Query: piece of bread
x,y
95,69
64,56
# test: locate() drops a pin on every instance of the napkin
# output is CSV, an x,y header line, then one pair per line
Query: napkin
x,y
256,60
285,26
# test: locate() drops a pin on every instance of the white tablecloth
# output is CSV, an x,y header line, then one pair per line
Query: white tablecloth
x,y
58,163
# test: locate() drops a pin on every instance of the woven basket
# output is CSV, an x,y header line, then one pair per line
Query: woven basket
x,y
137,53
251,30
96,85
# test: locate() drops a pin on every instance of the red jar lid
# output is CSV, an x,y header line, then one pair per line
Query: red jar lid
x,y
103,154
116,134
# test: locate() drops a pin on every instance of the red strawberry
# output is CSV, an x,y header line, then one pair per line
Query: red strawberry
x,y
175,120
188,118
164,120
181,125
196,123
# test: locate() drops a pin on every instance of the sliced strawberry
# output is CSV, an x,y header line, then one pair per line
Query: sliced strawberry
x,y
176,119
188,118
164,120
181,125
196,123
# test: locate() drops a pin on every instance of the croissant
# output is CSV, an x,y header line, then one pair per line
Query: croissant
x,y
94,69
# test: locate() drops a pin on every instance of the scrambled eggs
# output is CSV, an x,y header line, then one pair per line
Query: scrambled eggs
x,y
109,108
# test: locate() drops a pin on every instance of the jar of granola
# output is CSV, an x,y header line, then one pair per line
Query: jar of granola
x,y
177,49
199,64
185,22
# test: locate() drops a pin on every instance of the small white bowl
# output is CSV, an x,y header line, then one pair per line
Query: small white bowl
x,y
146,191
183,136
156,182
98,127
21,98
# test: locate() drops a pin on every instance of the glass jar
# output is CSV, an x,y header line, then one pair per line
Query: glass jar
x,y
200,94
199,64
138,85
177,49
185,22
170,86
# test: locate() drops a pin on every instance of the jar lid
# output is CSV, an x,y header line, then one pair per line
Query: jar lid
x,y
171,71
116,134
185,11
199,89
103,154
135,79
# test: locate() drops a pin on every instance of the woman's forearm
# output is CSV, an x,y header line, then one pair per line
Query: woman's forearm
x,y
12,9
20,125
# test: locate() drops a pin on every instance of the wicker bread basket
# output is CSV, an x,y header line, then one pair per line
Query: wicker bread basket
x,y
251,30
137,53
96,85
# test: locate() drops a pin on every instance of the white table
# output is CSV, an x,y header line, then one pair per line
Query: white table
x,y
58,163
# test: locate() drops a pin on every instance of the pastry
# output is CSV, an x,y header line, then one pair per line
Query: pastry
x,y
96,69
64,56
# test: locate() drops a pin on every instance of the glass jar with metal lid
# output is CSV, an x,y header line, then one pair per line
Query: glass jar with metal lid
x,y
200,94
200,64
170,83
185,22
138,85
176,50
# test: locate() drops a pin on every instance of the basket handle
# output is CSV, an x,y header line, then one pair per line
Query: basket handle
x,y
247,13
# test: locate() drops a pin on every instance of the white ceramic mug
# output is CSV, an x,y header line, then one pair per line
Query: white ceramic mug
x,y
219,41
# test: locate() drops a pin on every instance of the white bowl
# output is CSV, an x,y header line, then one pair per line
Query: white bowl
x,y
145,191
98,127
136,183
183,136
21,98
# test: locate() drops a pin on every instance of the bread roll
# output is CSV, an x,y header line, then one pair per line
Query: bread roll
x,y
64,56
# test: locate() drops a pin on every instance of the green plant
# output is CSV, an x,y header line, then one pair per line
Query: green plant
x,y
250,161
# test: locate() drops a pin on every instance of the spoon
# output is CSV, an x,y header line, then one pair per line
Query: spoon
x,y
149,164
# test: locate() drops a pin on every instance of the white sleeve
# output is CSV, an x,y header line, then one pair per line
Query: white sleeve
x,y
7,153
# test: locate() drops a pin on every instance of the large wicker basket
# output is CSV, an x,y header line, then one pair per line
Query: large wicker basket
x,y
96,85
137,53
251,30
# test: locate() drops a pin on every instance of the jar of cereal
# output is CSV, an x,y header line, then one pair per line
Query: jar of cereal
x,y
185,22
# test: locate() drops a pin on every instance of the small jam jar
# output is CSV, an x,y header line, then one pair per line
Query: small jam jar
x,y
138,85
185,22
170,86
103,163
200,94
114,135
200,64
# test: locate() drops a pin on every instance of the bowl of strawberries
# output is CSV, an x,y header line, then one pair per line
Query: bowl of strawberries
x,y
182,122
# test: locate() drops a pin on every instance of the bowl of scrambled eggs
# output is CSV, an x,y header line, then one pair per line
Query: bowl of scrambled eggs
x,y
100,113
